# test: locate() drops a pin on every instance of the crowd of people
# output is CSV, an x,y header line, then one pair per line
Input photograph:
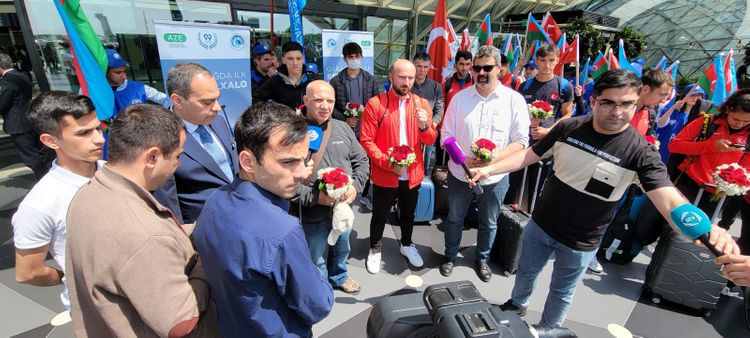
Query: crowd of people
x,y
192,227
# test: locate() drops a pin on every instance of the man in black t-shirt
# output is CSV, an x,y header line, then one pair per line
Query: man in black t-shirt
x,y
597,157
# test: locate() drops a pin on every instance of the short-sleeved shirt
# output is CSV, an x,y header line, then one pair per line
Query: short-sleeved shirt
x,y
41,217
591,173
550,92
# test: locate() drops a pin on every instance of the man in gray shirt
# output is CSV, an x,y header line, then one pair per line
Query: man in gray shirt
x,y
431,91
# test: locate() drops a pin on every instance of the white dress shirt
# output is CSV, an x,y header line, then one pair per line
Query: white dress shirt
x,y
502,117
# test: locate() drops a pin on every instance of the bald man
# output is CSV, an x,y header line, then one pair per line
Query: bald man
x,y
390,119
339,149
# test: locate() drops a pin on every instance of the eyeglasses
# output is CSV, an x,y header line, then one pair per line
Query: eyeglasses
x,y
487,68
607,105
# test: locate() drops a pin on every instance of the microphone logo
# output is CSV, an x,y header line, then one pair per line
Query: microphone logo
x,y
690,219
313,135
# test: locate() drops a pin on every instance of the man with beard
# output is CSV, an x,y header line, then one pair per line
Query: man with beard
x,y
288,85
265,65
485,110
395,118
597,157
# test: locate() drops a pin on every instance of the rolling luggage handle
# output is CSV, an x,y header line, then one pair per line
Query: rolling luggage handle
x,y
517,207
718,206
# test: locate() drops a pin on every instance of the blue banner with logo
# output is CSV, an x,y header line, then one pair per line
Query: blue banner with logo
x,y
334,41
295,20
223,49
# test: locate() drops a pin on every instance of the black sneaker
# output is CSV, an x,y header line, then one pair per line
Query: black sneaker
x,y
483,270
509,306
446,269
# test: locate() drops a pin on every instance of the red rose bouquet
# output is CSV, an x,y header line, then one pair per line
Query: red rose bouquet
x,y
484,149
401,155
335,182
541,110
353,110
730,180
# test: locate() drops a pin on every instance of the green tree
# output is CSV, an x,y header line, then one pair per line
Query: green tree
x,y
634,41
592,41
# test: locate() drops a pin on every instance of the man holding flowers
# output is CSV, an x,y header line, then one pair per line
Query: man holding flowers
x,y
341,170
492,121
395,125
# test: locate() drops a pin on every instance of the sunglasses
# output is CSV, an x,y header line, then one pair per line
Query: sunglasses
x,y
487,68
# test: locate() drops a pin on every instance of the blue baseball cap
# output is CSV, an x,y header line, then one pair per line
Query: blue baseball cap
x,y
312,68
531,64
114,60
260,49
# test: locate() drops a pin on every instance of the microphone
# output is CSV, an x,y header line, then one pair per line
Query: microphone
x,y
694,224
457,156
316,138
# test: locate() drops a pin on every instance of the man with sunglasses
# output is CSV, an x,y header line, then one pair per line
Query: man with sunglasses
x,y
492,111
597,157
210,159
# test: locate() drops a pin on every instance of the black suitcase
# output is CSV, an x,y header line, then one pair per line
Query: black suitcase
x,y
507,246
683,273
440,180
459,310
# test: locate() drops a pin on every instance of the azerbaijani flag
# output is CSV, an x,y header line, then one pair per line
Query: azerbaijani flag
x,y
622,59
600,66
535,32
585,72
484,35
89,58
662,64
730,74
712,81
532,54
562,43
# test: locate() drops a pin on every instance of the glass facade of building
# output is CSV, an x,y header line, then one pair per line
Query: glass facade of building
x,y
692,31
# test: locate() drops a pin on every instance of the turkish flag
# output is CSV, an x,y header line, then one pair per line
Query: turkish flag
x,y
438,46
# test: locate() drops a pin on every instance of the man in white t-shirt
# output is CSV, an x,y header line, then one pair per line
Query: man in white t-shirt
x,y
67,124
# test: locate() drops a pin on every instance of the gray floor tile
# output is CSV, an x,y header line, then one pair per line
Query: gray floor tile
x,y
374,288
19,314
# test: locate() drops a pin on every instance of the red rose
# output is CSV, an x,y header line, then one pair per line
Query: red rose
x,y
542,105
336,177
400,153
353,105
485,144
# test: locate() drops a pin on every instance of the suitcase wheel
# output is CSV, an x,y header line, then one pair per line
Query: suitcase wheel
x,y
655,299
705,313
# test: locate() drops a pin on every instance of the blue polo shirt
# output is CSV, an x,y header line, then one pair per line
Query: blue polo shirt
x,y
258,264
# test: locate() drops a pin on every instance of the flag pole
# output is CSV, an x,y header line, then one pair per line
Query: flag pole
x,y
578,59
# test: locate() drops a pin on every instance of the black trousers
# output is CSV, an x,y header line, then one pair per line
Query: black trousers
x,y
33,153
382,200
744,241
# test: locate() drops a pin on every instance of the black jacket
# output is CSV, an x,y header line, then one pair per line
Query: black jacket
x,y
280,89
369,89
15,95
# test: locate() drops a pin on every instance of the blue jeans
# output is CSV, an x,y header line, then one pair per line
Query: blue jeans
x,y
569,268
316,235
488,204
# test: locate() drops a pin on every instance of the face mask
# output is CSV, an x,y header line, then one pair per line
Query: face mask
x,y
354,64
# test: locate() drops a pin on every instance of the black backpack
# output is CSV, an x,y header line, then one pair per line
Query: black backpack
x,y
620,244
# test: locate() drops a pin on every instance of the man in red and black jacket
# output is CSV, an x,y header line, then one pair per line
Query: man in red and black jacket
x,y
506,76
460,79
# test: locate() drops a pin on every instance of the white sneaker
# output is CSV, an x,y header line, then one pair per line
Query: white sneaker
x,y
595,267
373,262
413,255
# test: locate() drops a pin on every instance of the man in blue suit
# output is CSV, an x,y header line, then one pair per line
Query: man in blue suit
x,y
210,157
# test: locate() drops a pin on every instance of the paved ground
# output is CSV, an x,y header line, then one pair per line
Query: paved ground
x,y
612,298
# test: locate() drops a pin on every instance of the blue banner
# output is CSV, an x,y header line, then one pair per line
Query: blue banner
x,y
223,49
295,21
